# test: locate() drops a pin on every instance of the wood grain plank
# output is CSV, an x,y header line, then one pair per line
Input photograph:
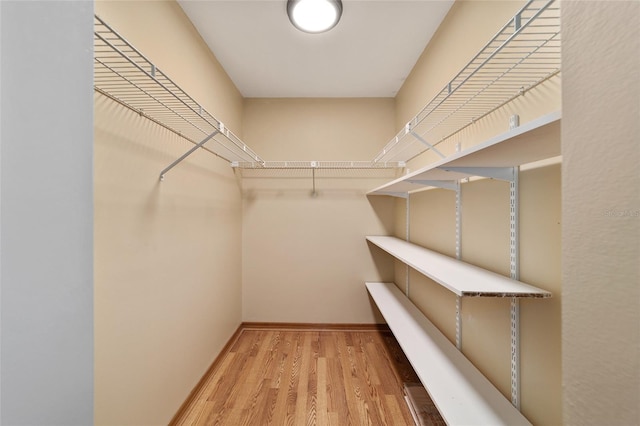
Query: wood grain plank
x,y
305,377
287,379
323,411
300,413
312,381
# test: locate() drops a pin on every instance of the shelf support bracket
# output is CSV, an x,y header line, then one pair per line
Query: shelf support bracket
x,y
421,139
499,173
459,322
393,194
188,153
444,184
407,230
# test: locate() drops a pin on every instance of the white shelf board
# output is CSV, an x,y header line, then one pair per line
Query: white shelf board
x,y
459,277
461,393
536,140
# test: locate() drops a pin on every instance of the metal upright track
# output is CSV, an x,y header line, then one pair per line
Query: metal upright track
x,y
524,53
459,257
125,75
514,261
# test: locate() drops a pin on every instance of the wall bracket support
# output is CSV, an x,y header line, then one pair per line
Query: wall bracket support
x,y
394,194
407,236
444,184
188,153
421,139
499,173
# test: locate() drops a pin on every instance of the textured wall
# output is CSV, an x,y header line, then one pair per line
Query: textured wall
x,y
601,212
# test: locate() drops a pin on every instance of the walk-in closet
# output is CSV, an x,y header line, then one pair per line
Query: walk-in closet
x,y
425,212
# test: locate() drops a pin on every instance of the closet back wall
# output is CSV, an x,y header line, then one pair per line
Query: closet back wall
x,y
305,258
167,255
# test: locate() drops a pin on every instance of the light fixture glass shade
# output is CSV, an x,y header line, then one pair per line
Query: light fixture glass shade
x,y
314,16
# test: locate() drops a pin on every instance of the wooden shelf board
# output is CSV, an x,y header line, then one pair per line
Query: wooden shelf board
x,y
461,393
536,140
459,277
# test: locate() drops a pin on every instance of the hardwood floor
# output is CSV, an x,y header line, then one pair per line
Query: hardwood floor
x,y
305,377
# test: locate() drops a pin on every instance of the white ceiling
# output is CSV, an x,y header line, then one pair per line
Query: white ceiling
x,y
368,54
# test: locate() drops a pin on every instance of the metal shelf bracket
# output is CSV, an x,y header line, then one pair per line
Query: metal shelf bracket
x,y
186,154
407,238
444,184
396,194
499,173
421,139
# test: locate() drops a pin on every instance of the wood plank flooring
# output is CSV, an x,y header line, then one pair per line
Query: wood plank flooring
x,y
306,377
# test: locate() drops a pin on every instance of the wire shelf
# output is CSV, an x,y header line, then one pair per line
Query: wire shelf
x,y
334,165
524,53
125,75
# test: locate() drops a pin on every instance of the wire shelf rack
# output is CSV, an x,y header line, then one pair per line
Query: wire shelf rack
x,y
318,165
125,75
522,55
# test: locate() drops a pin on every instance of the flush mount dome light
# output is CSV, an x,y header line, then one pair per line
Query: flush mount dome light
x,y
314,16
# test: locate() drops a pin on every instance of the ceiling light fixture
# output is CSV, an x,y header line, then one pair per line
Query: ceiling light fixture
x,y
314,16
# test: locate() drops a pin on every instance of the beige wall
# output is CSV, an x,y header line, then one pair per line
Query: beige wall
x,y
485,223
167,255
601,212
305,258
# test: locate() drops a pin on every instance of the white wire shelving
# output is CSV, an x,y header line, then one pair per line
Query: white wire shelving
x,y
522,55
318,165
125,75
